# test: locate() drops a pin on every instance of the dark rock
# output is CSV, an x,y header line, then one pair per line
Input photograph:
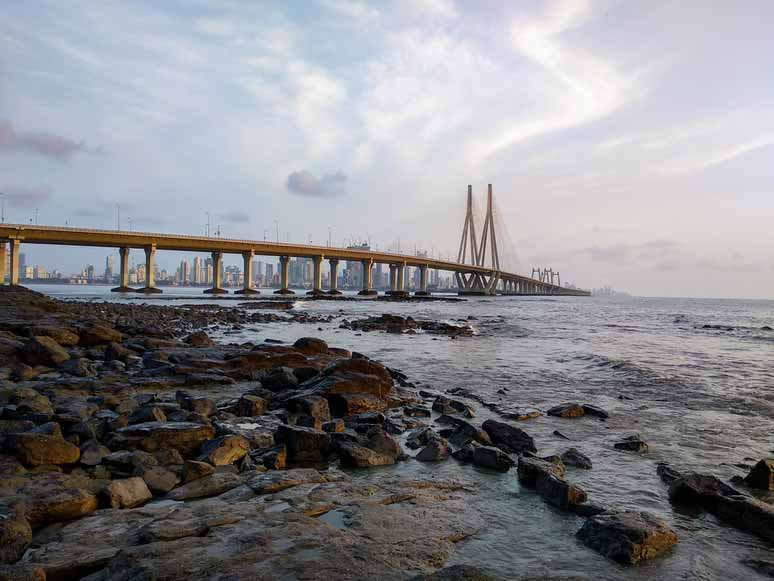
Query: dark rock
x,y
334,426
456,573
304,444
311,346
762,475
92,453
251,405
44,351
185,437
567,410
147,413
667,474
490,457
211,485
627,537
159,480
435,451
421,437
199,339
310,405
96,334
41,449
509,438
193,470
416,412
200,405
586,509
765,568
15,535
633,443
350,404
533,469
560,493
445,405
592,410
80,367
465,432
574,457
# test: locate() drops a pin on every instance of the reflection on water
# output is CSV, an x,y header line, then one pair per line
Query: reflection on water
x,y
693,377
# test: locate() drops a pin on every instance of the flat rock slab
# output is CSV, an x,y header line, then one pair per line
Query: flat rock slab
x,y
627,537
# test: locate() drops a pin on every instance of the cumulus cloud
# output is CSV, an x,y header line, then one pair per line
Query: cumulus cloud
x,y
25,197
45,144
305,183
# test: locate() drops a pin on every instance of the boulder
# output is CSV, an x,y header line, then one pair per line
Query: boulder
x,y
199,404
353,455
159,480
251,405
310,405
762,475
224,450
126,493
574,457
420,437
199,339
465,432
567,410
490,457
416,412
273,482
633,443
211,485
435,451
118,352
311,346
147,413
98,334
446,405
560,493
15,535
185,437
303,444
531,470
44,351
41,449
28,400
350,404
509,438
92,453
627,537
65,336
592,410
193,470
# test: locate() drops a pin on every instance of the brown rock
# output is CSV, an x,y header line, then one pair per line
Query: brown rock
x,y
567,410
303,444
509,438
212,485
40,449
98,334
126,493
224,450
251,405
15,535
44,351
193,470
185,437
762,475
311,346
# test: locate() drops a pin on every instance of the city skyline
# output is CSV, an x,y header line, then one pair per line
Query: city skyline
x,y
617,156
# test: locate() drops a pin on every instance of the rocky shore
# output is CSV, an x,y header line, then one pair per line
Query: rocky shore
x,y
133,446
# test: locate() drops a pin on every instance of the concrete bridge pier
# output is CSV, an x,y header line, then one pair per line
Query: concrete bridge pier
x,y
123,275
316,277
334,265
247,285
368,279
400,281
3,256
13,275
150,272
217,276
284,263
422,292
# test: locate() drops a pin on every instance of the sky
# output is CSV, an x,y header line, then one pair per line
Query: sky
x,y
629,144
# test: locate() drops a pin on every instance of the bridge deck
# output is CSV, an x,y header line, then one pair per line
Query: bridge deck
x,y
59,235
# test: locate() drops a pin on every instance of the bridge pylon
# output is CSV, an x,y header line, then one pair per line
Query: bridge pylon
x,y
476,283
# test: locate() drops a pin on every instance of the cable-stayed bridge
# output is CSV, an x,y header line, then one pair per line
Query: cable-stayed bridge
x,y
477,269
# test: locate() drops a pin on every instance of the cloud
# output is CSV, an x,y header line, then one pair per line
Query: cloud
x,y
305,183
25,197
660,254
45,144
236,217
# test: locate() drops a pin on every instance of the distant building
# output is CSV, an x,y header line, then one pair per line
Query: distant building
x,y
109,268
269,277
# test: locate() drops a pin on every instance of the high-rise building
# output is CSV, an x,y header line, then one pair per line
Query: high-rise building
x,y
109,268
22,262
196,272
269,279
208,271
90,275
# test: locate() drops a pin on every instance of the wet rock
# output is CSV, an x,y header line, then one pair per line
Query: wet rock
x,y
22,572
118,352
208,379
185,437
193,470
633,443
310,405
273,482
97,334
274,459
44,351
41,449
592,410
211,485
421,437
49,429
65,336
559,434
279,379
303,444
765,568
159,480
667,474
627,537
725,502
196,404
251,405
199,339
435,451
354,455
567,410
533,469
15,535
762,475
334,426
465,432
416,412
574,457
224,450
509,438
456,573
490,457
311,346
351,404
560,493
446,405
92,453
148,413
80,367
126,493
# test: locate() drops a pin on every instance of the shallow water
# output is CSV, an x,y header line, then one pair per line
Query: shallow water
x,y
703,398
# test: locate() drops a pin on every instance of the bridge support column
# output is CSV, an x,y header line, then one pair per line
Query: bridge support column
x,y
316,276
334,264
247,285
393,279
400,281
123,275
422,292
284,263
13,275
217,276
3,256
368,279
150,272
